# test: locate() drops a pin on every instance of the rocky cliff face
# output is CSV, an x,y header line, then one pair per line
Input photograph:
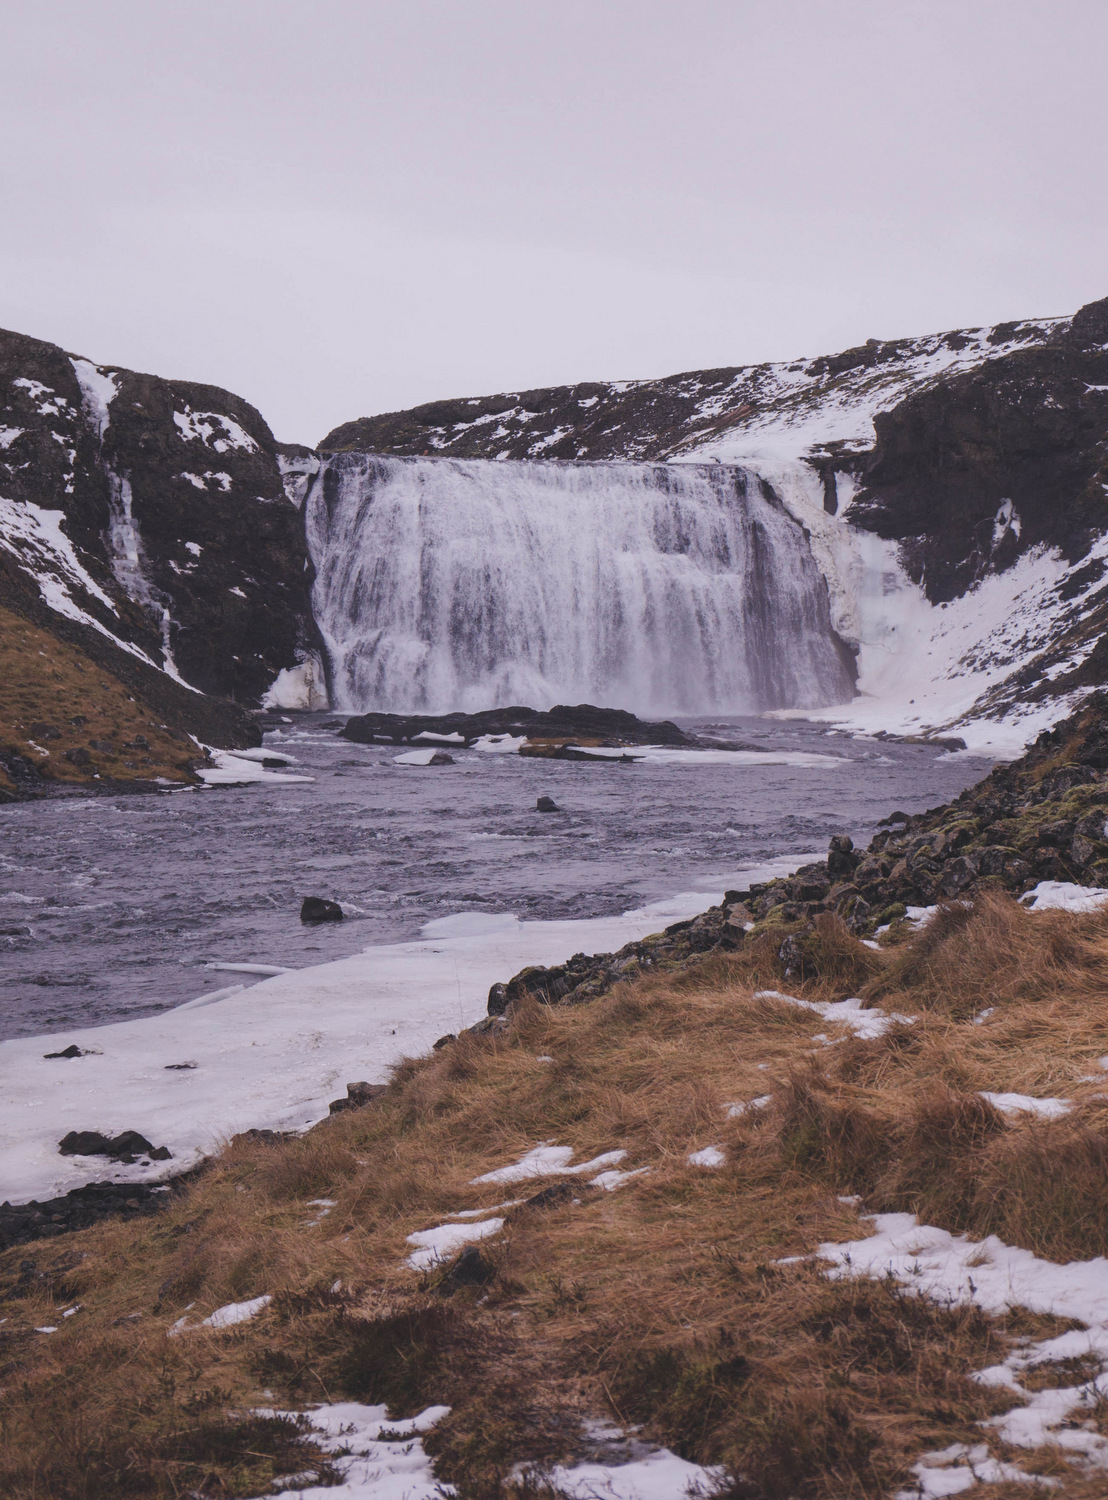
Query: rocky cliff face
x,y
152,512
982,466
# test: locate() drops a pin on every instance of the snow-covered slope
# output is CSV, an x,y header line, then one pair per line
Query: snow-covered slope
x,y
821,408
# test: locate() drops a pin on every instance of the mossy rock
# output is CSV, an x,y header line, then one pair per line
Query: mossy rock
x,y
890,914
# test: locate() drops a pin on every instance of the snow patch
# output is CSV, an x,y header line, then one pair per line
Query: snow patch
x,y
236,1312
866,1024
214,430
708,1156
547,1160
445,1240
1063,895
1023,1104
378,1458
955,1270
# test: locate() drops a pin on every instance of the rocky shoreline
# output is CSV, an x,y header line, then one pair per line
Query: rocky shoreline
x,y
1043,817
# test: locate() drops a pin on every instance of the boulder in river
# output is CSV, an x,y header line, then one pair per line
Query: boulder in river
x,y
316,909
546,804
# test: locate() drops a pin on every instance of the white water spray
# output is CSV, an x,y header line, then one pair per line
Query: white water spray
x,y
448,584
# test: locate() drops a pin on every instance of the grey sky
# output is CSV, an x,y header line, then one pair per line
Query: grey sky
x,y
338,208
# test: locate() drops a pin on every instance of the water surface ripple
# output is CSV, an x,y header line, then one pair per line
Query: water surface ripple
x,y
110,907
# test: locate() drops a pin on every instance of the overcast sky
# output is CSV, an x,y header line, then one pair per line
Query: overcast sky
x,y
339,207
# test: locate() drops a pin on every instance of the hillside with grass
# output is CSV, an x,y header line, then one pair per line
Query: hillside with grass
x,y
685,1281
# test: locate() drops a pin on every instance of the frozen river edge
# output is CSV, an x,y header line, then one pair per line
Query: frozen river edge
x,y
272,1056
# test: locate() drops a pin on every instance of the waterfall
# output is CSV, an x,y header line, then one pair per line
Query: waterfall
x,y
451,584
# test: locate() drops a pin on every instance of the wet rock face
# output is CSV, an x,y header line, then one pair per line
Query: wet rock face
x,y
969,474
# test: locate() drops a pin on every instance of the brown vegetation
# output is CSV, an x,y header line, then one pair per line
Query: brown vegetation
x,y
672,1302
69,720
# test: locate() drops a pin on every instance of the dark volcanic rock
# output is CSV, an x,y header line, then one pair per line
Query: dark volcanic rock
x,y
546,804
654,419
971,472
358,1095
470,1268
80,1208
316,909
176,507
123,1147
614,726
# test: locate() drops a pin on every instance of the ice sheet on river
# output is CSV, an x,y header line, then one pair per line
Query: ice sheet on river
x,y
272,1055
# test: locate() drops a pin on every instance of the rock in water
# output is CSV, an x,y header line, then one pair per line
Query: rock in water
x,y
316,909
546,804
440,758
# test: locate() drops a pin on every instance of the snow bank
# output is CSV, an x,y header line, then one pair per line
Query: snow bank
x,y
925,668
272,1055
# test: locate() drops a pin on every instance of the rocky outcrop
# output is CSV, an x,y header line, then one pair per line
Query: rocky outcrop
x,y
608,726
980,467
153,512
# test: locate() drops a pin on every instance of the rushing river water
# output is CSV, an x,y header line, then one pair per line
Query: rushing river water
x,y
110,907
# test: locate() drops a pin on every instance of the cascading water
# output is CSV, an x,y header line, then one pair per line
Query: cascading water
x,y
447,584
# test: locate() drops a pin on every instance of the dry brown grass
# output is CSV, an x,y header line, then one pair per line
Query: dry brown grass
x,y
663,1303
47,682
